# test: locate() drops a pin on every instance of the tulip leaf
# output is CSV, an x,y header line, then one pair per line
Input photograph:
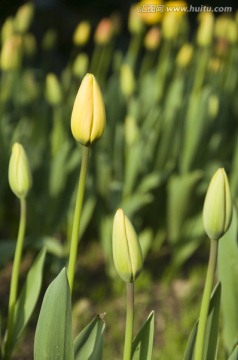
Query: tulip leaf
x,y
191,343
234,354
53,338
28,296
88,345
181,189
228,275
142,345
212,328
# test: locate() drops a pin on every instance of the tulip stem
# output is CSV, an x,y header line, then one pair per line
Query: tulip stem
x,y
129,321
199,348
15,276
77,217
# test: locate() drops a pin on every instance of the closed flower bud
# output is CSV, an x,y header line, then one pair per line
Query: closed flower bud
x,y
53,91
217,211
49,40
127,80
151,11
152,39
205,30
24,18
11,54
104,32
127,254
135,23
19,174
81,33
88,118
7,29
80,65
184,56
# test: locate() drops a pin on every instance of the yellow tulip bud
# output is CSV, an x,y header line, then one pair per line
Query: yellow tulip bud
x,y
184,56
127,254
7,29
135,23
217,211
11,55
127,80
53,91
205,30
81,33
88,118
24,17
80,65
19,174
151,11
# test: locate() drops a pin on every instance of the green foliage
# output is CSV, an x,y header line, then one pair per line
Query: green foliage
x,y
212,330
53,338
228,275
142,345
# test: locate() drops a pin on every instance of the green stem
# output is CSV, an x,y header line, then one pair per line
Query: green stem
x,y
206,301
129,321
15,276
77,217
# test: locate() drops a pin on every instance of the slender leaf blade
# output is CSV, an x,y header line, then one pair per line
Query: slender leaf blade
x,y
142,345
88,345
28,296
53,338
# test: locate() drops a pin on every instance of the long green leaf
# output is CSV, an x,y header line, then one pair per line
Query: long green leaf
x,y
234,354
191,343
28,296
142,345
88,345
211,335
228,275
53,338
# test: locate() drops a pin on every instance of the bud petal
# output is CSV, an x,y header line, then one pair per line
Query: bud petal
x,y
127,254
19,173
217,211
88,116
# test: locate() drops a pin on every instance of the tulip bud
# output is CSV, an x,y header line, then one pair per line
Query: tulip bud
x,y
81,33
104,32
152,39
80,65
53,92
49,40
205,30
24,17
217,211
88,116
151,11
11,54
127,80
127,254
135,23
7,29
184,56
19,174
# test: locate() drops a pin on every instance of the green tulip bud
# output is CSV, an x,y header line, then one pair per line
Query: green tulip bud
x,y
88,116
80,65
19,173
11,55
127,254
217,211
